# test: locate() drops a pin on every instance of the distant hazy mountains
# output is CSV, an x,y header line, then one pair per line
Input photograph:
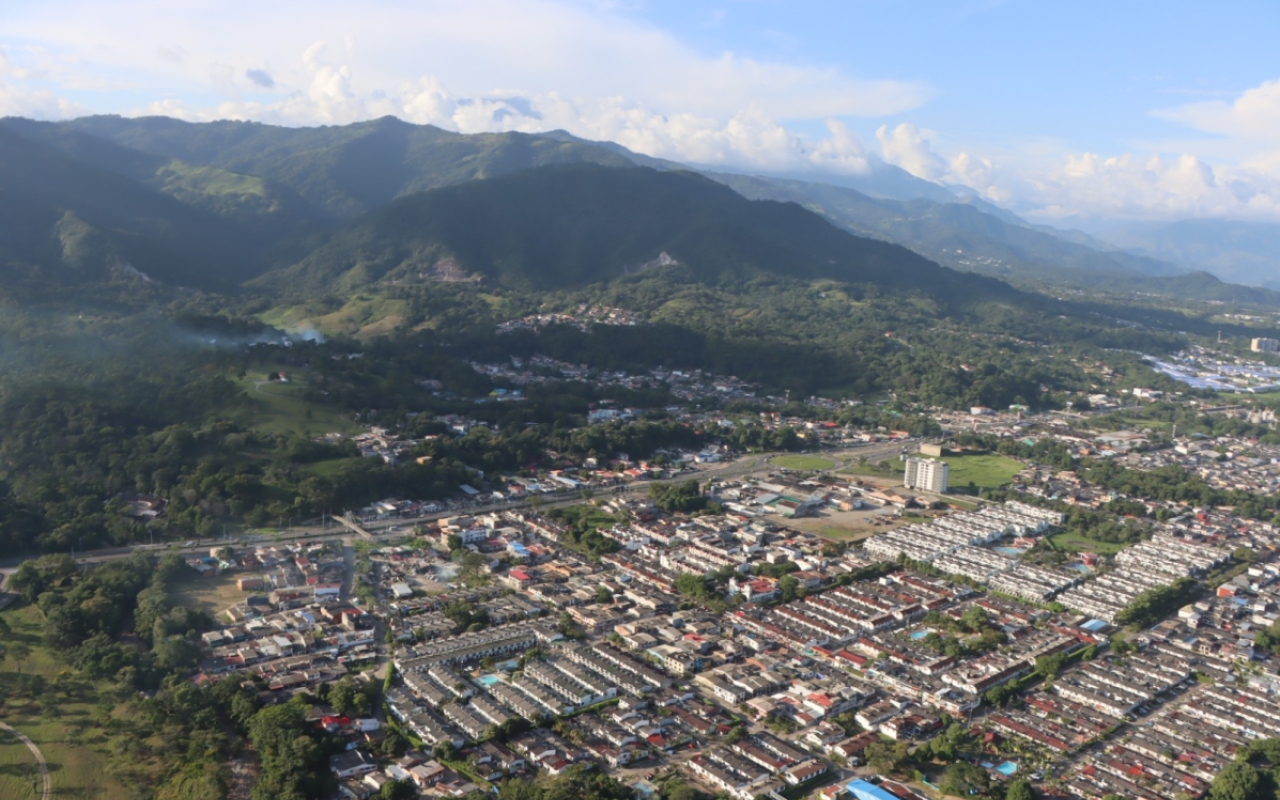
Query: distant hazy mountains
x,y
332,208
1240,252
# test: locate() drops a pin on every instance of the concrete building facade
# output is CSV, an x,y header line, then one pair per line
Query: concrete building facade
x,y
926,474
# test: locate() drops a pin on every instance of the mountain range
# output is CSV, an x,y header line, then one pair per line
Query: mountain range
x,y
314,210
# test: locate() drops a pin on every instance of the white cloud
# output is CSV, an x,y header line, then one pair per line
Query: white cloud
x,y
906,147
18,100
475,46
1253,116
592,68
747,138
1123,186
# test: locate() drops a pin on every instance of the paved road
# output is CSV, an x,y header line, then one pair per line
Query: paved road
x,y
396,528
35,751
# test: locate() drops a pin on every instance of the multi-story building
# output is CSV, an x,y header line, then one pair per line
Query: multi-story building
x,y
927,474
1262,345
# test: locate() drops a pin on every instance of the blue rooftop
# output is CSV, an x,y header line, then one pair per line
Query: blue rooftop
x,y
865,790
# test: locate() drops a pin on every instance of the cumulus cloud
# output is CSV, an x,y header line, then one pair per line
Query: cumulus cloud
x,y
596,70
748,138
17,99
475,46
906,147
1122,186
1254,115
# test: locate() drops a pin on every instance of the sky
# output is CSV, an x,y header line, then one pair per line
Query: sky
x,y
1059,111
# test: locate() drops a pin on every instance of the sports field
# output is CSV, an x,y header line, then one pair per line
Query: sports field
x,y
802,462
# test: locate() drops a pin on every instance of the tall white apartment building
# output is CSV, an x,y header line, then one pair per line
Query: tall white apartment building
x,y
926,474
1261,345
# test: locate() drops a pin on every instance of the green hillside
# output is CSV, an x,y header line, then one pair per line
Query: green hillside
x,y
348,170
562,227
43,191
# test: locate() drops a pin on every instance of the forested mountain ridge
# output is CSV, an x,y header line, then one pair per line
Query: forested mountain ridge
x,y
53,204
956,234
343,171
561,227
281,189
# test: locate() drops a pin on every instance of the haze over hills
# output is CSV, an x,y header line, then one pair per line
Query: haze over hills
x,y
1234,250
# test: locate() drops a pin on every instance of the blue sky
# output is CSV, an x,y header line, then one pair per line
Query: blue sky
x,y
1057,110
1088,73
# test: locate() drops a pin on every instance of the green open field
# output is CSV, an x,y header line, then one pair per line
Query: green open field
x,y
802,462
64,717
327,467
19,774
894,470
989,471
279,409
1075,543
211,594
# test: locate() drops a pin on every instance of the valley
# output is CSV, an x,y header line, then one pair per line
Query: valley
x,y
378,460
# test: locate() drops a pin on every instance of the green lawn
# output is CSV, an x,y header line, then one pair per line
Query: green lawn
x,y
802,462
277,408
1075,543
64,719
327,467
989,471
19,774
870,470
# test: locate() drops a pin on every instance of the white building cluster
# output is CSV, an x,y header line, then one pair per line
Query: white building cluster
x,y
946,535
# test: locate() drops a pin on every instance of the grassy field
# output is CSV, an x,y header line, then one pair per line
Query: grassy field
x,y
1075,543
986,471
327,467
279,409
209,594
802,462
64,718
364,315
894,470
19,774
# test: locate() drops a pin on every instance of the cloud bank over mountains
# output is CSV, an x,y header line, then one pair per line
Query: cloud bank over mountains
x,y
598,72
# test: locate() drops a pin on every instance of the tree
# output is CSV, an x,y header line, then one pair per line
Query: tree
x,y
1239,781
684,497
788,588
677,789
398,790
963,779
887,758
349,698
293,765
444,751
1049,666
1020,790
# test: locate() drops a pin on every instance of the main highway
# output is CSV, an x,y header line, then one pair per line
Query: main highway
x,y
392,529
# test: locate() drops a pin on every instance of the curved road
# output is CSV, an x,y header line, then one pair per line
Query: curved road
x,y
35,751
